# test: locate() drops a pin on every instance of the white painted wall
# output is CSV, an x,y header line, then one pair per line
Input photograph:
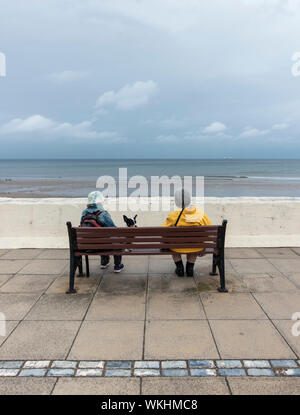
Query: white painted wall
x,y
261,222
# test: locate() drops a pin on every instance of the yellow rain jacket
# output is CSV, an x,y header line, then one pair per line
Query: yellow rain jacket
x,y
190,217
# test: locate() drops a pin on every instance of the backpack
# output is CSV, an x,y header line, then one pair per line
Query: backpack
x,y
89,220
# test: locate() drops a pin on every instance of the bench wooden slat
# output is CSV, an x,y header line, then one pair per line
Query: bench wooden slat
x,y
150,229
161,237
120,239
149,251
145,245
147,231
146,235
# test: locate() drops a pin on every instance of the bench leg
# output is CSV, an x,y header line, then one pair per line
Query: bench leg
x,y
87,266
81,274
73,266
221,266
214,266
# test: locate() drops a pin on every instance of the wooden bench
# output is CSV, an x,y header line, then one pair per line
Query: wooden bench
x,y
145,241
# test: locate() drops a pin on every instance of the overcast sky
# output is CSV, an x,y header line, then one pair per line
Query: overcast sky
x,y
150,78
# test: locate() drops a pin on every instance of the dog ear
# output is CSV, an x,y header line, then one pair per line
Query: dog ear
x,y
135,217
126,220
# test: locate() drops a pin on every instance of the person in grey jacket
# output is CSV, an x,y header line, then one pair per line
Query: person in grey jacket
x,y
96,210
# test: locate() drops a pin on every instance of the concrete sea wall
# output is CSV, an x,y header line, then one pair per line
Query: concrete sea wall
x,y
252,221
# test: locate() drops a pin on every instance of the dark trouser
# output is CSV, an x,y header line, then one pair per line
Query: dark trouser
x,y
105,259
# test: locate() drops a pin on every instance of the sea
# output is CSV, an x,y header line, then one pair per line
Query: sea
x,y
222,177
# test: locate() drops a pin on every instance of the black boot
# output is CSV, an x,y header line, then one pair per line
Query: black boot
x,y
190,269
179,268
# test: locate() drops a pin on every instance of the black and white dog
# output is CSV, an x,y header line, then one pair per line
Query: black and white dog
x,y
130,222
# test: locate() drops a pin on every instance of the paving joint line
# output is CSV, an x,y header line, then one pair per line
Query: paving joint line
x,y
271,321
83,318
213,336
146,312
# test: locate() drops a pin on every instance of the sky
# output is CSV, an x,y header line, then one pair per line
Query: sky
x,y
150,79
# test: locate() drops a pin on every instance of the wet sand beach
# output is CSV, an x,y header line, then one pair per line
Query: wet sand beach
x,y
222,187
223,178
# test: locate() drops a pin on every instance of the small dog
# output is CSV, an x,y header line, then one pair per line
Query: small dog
x,y
130,222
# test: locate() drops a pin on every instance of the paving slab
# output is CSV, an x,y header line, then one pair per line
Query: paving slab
x,y
277,252
130,259
159,257
244,253
117,307
40,340
3,251
4,278
211,283
285,328
170,283
26,386
184,386
252,266
123,283
131,267
178,339
45,266
60,307
279,305
21,254
97,386
54,254
295,278
12,266
111,340
161,267
249,339
286,265
16,306
202,266
83,285
174,306
256,283
27,284
231,306
9,327
94,266
202,269
265,386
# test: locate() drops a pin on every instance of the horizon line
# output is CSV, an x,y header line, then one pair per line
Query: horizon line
x,y
150,158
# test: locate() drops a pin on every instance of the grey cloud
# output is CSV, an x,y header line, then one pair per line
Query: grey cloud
x,y
161,68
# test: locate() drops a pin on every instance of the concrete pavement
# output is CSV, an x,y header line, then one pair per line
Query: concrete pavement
x,y
147,313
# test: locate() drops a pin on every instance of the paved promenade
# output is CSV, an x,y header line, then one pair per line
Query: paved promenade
x,y
146,330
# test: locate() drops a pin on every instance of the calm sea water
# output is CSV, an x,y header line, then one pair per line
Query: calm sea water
x,y
228,177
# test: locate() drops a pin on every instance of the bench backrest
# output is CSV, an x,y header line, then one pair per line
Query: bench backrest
x,y
114,239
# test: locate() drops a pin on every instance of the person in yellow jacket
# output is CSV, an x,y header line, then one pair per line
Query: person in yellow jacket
x,y
187,215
